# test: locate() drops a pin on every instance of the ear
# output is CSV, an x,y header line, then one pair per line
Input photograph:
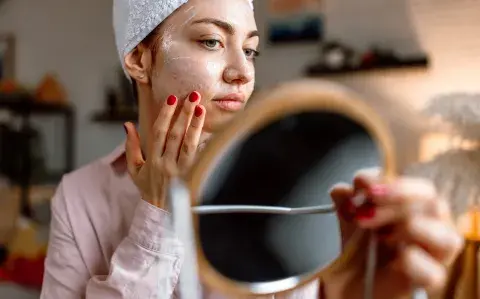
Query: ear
x,y
138,64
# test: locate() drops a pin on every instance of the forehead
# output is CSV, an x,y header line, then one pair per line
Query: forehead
x,y
238,13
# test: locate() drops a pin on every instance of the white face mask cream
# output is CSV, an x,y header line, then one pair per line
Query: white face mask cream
x,y
204,48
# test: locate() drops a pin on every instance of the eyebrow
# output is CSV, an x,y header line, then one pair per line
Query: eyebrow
x,y
224,25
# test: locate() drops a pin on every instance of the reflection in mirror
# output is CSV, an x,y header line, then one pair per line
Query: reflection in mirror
x,y
293,162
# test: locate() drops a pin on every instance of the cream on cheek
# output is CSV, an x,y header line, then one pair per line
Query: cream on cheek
x,y
182,73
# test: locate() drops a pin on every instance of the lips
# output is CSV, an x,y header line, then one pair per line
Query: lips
x,y
232,102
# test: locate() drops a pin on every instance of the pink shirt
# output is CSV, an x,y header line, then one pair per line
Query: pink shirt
x,y
106,243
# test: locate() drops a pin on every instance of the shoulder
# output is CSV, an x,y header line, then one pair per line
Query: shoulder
x,y
80,186
89,183
87,179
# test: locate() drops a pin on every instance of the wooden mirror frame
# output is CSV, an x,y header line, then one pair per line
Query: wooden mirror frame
x,y
267,107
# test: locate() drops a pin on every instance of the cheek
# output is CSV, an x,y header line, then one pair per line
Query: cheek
x,y
183,75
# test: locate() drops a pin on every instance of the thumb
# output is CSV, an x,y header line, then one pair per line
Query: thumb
x,y
133,149
341,195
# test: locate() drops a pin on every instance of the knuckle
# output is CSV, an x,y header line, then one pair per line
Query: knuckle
x,y
410,224
187,148
457,244
437,279
441,209
173,135
427,186
159,133
370,173
187,110
157,163
137,163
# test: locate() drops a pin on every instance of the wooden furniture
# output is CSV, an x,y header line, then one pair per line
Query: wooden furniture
x,y
10,203
24,106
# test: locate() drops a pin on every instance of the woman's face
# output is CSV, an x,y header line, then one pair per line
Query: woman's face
x,y
208,46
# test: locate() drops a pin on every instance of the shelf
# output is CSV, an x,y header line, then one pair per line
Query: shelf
x,y
118,117
25,103
408,63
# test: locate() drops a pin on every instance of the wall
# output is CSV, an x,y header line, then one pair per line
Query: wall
x,y
74,39
447,30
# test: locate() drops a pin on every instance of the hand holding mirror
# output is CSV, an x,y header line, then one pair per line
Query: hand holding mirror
x,y
257,202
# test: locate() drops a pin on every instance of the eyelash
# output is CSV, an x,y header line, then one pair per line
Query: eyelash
x,y
255,53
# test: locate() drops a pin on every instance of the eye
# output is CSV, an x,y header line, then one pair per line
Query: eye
x,y
251,53
211,44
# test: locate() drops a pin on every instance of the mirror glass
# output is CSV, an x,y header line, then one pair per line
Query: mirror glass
x,y
291,162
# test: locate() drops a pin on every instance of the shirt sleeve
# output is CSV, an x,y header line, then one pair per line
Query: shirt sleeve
x,y
146,264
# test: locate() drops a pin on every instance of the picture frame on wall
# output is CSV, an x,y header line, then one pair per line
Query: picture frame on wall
x,y
295,21
7,56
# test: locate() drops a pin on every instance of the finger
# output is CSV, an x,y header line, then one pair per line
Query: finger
x,y
133,150
192,138
377,217
162,125
341,195
177,131
441,241
422,270
364,178
403,191
370,216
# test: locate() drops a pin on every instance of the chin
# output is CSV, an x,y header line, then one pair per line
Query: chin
x,y
214,124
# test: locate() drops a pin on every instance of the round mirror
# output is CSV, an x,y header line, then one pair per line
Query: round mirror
x,y
282,155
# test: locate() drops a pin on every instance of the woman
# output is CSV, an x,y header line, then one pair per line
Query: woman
x,y
109,234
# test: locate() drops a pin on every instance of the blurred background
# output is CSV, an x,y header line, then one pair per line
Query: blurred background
x,y
63,96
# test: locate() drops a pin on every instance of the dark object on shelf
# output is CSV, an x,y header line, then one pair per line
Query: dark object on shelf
x,y
378,56
337,56
126,90
24,106
121,105
120,116
3,254
11,159
112,102
387,64
306,29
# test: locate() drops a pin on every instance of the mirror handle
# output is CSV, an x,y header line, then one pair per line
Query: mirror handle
x,y
225,209
179,204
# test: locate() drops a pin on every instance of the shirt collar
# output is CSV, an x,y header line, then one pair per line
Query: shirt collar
x,y
117,159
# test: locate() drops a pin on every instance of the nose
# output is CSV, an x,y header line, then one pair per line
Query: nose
x,y
239,71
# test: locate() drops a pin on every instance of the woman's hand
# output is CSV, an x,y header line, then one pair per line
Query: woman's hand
x,y
418,241
171,147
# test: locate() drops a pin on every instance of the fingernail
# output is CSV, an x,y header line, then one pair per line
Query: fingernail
x,y
365,212
194,96
198,111
379,190
171,100
125,128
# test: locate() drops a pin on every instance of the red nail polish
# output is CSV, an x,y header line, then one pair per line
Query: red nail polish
x,y
198,111
171,100
379,190
365,212
194,96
